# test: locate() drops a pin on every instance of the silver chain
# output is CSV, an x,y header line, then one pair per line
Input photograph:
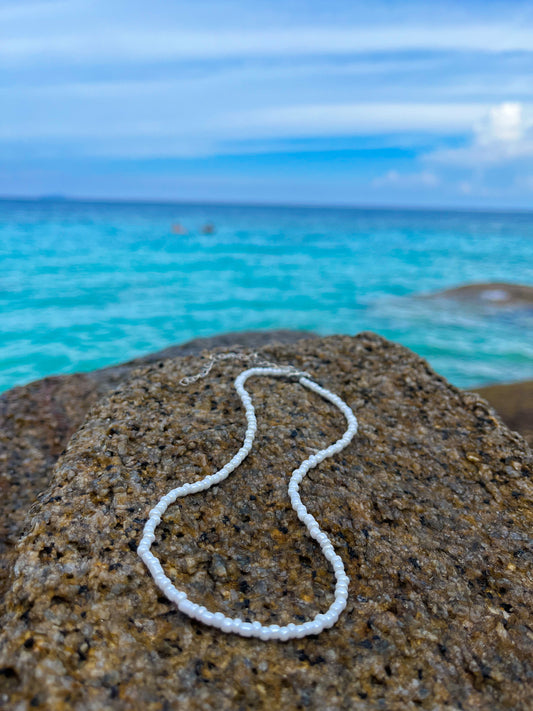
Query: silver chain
x,y
256,359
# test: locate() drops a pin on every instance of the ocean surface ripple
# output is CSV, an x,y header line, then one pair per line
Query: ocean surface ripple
x,y
84,285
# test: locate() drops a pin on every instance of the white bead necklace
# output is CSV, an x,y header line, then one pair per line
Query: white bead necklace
x,y
235,624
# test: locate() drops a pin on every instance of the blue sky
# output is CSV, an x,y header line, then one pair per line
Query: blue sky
x,y
338,102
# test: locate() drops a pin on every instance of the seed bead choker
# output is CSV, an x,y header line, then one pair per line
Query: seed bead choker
x,y
234,624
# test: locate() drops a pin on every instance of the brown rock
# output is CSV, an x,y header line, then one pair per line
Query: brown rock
x,y
493,293
37,420
429,506
514,404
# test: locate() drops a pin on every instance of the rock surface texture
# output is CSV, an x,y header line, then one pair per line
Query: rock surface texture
x,y
37,421
430,507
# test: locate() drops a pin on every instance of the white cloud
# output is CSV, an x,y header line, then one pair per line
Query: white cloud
x,y
128,44
394,179
96,119
357,119
505,123
504,134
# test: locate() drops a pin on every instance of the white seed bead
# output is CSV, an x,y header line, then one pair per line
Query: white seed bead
x,y
167,587
246,629
226,625
284,634
338,605
186,606
264,634
235,624
330,620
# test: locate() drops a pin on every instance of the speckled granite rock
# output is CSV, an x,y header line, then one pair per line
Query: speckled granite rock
x,y
37,420
430,508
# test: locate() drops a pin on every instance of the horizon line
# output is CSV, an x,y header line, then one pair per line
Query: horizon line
x,y
253,204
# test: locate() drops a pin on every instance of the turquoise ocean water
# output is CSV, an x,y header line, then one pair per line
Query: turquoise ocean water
x,y
84,285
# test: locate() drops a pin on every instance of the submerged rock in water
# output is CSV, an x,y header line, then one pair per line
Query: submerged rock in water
x,y
491,293
429,507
